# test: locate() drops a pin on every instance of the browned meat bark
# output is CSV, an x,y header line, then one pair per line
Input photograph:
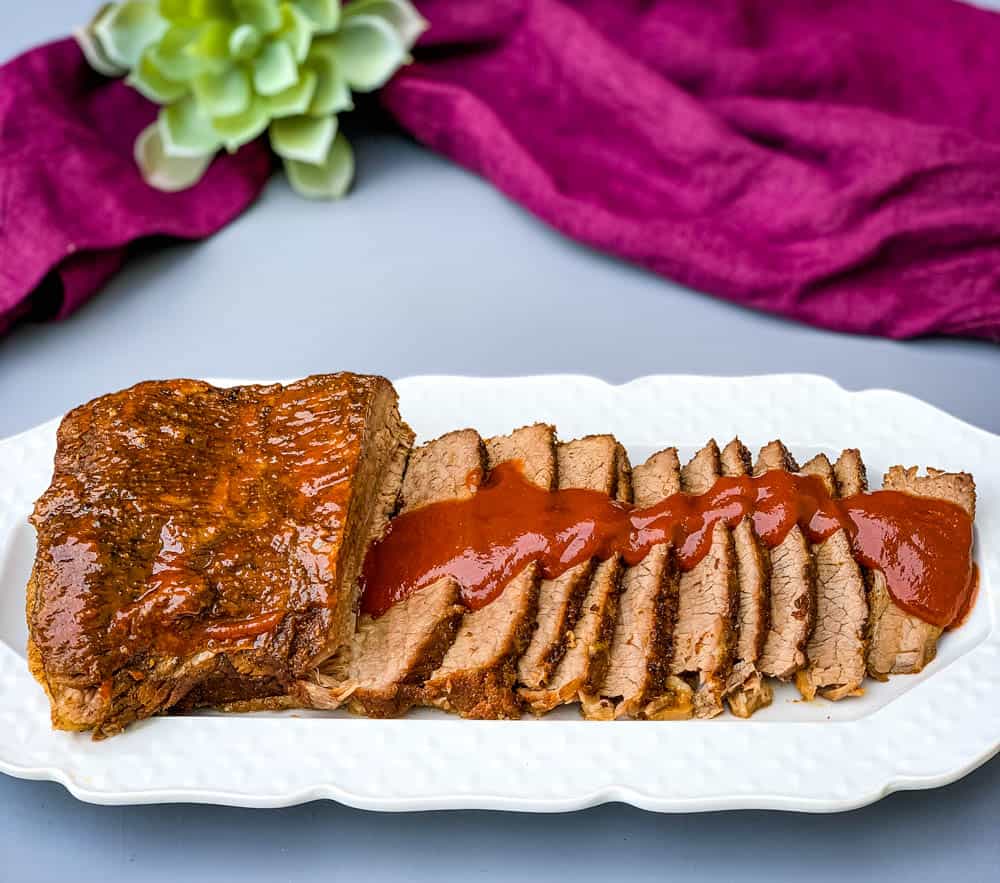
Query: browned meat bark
x,y
704,635
585,662
381,672
638,683
901,643
746,688
793,587
203,544
585,463
837,647
478,674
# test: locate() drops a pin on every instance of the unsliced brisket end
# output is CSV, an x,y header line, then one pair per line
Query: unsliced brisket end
x,y
229,689
901,643
638,683
705,635
585,662
381,672
793,586
837,646
588,463
335,679
746,688
203,544
477,677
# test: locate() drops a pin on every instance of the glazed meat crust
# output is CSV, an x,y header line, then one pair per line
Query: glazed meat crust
x,y
194,535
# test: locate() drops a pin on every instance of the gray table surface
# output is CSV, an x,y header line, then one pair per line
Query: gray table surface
x,y
420,254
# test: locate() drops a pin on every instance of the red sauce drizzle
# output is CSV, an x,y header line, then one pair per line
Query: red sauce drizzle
x,y
922,545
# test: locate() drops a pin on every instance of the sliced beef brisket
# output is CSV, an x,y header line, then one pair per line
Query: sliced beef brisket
x,y
746,689
793,586
836,648
382,671
584,463
585,662
390,656
901,643
478,675
638,683
448,468
704,634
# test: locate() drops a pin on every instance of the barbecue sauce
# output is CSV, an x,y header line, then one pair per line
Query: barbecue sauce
x,y
922,545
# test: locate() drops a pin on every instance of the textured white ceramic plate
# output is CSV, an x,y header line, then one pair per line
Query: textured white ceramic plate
x,y
914,732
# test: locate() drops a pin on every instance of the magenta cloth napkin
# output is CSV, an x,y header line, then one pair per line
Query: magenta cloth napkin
x,y
71,197
837,163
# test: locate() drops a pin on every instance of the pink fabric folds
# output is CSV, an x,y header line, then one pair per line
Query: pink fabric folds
x,y
71,197
835,162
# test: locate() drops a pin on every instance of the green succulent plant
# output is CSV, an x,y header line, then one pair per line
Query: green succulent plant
x,y
226,71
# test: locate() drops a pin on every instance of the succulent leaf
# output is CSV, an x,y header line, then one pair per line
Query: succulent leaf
x,y
265,15
401,14
186,131
325,14
191,12
296,99
369,51
296,30
163,171
332,92
222,95
126,29
242,128
211,46
86,37
148,79
202,9
172,53
274,70
303,138
177,12
94,54
244,42
329,180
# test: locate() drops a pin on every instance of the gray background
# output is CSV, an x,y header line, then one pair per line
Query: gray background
x,y
427,269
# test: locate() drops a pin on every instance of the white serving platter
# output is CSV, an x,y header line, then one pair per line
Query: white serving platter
x,y
917,731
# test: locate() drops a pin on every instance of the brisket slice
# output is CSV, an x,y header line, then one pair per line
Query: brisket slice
x,y
793,586
638,683
901,643
836,648
389,657
381,672
746,688
202,545
587,463
478,675
585,662
704,635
